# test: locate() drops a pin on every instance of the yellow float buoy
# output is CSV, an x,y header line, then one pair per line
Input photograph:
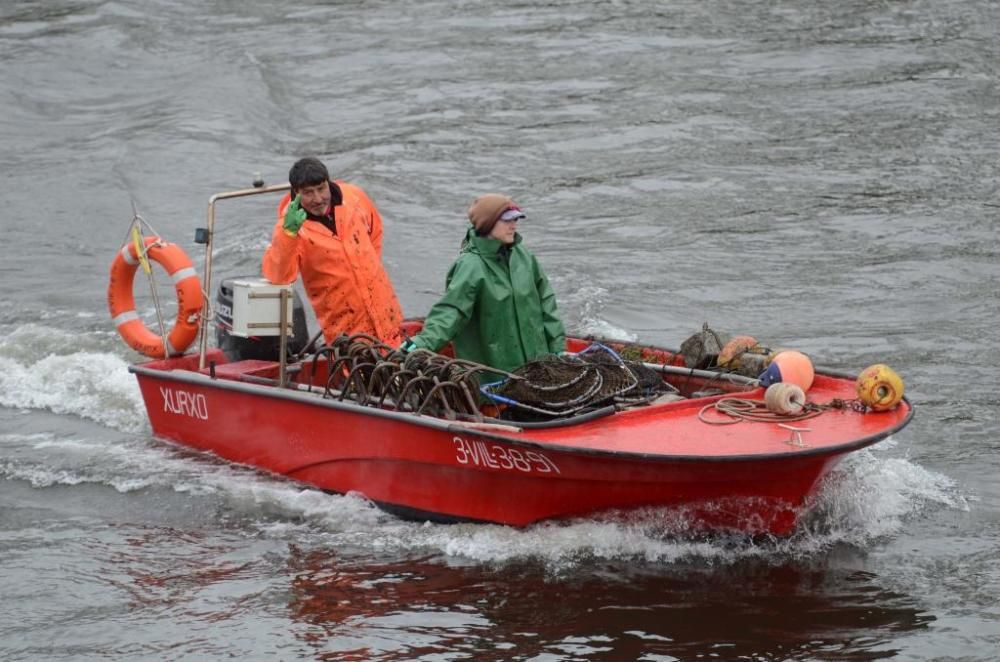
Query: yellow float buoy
x,y
879,387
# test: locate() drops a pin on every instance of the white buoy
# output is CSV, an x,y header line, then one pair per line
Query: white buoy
x,y
784,398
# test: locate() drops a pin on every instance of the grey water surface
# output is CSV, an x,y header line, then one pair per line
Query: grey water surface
x,y
823,176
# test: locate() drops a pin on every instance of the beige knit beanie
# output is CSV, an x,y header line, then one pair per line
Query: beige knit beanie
x,y
486,211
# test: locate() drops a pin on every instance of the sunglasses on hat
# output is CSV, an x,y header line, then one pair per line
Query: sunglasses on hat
x,y
512,214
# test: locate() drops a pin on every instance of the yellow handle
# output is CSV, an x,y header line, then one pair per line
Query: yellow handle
x,y
137,240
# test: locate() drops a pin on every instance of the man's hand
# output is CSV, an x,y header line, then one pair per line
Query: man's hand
x,y
295,216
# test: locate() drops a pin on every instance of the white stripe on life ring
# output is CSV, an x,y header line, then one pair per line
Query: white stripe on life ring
x,y
124,317
183,274
127,254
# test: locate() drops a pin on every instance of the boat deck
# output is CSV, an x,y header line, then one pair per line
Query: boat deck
x,y
675,429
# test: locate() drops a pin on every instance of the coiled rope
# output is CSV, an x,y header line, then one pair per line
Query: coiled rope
x,y
783,403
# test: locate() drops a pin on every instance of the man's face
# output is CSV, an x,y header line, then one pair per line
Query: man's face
x,y
315,198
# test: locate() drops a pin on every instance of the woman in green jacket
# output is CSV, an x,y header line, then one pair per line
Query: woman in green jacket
x,y
498,307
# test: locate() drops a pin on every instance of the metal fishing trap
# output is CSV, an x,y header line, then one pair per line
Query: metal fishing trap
x,y
561,385
369,372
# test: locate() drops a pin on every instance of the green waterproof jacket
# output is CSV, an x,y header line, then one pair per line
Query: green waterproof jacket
x,y
498,311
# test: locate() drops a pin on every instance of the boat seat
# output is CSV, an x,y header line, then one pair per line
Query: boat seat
x,y
238,369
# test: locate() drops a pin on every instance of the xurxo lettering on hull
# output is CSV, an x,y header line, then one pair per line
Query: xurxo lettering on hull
x,y
184,403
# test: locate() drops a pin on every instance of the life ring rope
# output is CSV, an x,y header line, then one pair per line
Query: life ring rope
x,y
187,286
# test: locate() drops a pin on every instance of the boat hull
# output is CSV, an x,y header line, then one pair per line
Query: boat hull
x,y
423,467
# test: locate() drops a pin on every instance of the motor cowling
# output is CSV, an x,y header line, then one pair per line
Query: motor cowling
x,y
265,348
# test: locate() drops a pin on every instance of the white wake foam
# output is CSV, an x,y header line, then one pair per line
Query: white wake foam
x,y
50,369
869,497
590,301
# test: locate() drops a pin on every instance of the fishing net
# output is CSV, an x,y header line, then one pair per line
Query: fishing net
x,y
561,385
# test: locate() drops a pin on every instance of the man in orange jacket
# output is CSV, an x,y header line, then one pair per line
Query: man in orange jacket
x,y
331,233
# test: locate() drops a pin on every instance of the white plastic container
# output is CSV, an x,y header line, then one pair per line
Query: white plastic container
x,y
257,308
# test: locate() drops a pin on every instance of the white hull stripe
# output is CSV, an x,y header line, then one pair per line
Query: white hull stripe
x,y
125,317
183,274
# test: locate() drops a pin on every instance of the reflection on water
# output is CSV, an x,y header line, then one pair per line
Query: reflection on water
x,y
750,610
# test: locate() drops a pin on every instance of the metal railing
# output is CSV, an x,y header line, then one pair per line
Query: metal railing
x,y
208,239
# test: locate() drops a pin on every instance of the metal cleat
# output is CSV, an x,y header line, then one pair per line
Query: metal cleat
x,y
796,437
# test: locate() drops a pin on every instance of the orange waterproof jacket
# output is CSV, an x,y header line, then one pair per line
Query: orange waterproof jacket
x,y
342,273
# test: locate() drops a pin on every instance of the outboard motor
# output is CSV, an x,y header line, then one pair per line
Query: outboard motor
x,y
265,348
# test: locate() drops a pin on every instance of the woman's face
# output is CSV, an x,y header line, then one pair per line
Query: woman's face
x,y
504,231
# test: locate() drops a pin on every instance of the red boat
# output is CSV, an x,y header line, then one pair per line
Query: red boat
x,y
310,420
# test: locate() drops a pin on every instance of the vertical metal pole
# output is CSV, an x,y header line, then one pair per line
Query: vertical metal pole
x,y
207,306
283,342
139,243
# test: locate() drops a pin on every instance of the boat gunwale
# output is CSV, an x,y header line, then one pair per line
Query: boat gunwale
x,y
202,379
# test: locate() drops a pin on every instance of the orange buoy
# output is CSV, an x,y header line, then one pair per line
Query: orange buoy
x,y
121,301
729,357
879,387
791,367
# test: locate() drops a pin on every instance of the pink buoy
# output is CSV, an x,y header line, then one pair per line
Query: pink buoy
x,y
790,367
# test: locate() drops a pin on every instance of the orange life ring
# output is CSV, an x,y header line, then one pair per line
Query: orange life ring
x,y
121,302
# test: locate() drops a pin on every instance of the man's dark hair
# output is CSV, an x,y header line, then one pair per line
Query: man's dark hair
x,y
307,172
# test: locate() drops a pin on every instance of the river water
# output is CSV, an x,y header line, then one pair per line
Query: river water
x,y
823,176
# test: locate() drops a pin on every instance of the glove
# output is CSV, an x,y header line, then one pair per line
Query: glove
x,y
295,216
408,346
